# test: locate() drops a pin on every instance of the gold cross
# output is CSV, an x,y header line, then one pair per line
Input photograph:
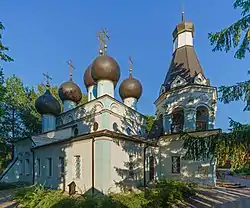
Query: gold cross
x,y
101,42
71,68
182,12
47,79
130,65
103,37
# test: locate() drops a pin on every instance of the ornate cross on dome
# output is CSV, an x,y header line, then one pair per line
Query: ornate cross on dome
x,y
130,65
47,79
71,68
103,38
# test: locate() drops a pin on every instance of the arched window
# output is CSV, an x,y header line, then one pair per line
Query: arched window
x,y
151,168
177,120
201,118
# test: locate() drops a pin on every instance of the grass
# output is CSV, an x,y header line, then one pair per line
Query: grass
x,y
162,194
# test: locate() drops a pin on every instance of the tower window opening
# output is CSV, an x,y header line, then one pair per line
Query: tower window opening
x,y
177,120
201,118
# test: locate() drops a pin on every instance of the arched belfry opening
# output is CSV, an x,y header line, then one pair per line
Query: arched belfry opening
x,y
202,116
177,120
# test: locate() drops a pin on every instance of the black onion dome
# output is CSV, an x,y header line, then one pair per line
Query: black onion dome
x,y
88,79
47,104
105,67
130,87
70,91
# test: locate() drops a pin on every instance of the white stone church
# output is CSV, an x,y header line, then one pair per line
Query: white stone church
x,y
103,145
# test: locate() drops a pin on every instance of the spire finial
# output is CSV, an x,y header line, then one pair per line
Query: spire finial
x,y
130,66
47,79
71,68
182,11
103,38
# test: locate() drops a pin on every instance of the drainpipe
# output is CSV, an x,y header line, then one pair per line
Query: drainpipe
x,y
144,164
93,165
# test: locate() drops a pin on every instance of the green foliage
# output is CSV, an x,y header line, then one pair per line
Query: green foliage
x,y
235,144
234,92
167,192
164,194
3,56
232,36
149,122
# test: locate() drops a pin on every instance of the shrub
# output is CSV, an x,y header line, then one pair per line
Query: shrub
x,y
163,195
130,199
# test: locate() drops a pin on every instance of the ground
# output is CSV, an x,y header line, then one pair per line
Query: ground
x,y
219,197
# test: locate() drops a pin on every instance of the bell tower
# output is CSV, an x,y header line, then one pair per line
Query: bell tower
x,y
187,101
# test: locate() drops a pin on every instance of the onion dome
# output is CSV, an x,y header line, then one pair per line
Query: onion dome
x,y
70,91
47,104
105,68
130,87
88,79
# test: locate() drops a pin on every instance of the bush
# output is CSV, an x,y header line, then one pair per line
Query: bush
x,y
164,194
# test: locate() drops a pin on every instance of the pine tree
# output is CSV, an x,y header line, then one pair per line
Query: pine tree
x,y
236,143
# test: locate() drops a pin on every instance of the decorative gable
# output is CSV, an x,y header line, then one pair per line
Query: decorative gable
x,y
200,79
163,89
179,81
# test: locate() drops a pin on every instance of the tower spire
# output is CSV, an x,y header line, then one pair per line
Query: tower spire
x,y
182,11
130,66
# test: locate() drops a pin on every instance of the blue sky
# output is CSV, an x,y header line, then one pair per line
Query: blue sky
x,y
43,35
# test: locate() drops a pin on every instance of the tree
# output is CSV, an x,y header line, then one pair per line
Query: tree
x,y
237,142
5,148
149,122
236,35
232,36
3,49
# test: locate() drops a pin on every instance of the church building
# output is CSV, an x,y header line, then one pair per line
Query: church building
x,y
103,145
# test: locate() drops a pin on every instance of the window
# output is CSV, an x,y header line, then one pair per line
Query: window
x,y
131,166
49,166
202,117
128,130
177,120
78,166
20,167
27,167
75,131
176,164
38,167
151,168
61,166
